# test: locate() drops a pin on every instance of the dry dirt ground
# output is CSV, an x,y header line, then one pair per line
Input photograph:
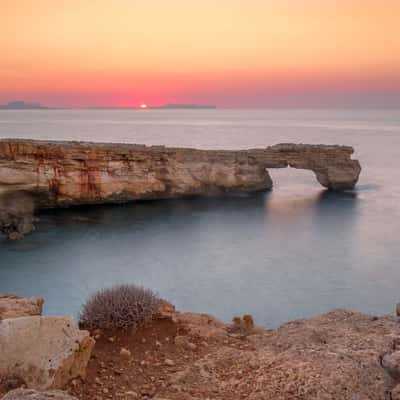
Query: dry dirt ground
x,y
152,366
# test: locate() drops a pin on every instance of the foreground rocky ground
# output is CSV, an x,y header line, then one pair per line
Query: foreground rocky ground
x,y
338,355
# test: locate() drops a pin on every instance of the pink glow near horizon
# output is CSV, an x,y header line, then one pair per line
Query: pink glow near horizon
x,y
286,53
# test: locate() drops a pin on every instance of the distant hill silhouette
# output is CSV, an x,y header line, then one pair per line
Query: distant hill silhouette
x,y
21,105
172,106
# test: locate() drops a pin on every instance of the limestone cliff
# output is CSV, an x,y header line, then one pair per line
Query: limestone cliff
x,y
71,173
76,173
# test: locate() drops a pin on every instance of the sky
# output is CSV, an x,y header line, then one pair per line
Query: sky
x,y
231,53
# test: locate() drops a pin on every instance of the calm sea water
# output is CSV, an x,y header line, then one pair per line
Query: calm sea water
x,y
290,253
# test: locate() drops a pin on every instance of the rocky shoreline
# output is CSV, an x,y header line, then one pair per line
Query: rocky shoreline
x,y
338,355
59,174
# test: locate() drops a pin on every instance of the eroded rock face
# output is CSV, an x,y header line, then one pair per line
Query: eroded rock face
x,y
44,352
77,173
14,307
29,394
58,174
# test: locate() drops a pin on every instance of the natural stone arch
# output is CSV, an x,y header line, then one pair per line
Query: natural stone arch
x,y
73,173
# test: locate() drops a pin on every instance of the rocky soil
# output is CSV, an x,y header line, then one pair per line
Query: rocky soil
x,y
338,355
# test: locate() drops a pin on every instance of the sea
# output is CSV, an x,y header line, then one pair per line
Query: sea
x,y
289,253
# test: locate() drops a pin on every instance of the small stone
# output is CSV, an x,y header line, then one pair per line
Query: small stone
x,y
143,340
97,332
105,390
132,394
15,236
111,339
169,362
183,342
192,346
180,341
125,352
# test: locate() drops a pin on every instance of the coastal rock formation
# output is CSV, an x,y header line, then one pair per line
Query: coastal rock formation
x,y
29,394
14,307
43,352
71,173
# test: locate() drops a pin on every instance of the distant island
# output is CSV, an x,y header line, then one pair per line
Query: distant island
x,y
168,106
172,106
22,105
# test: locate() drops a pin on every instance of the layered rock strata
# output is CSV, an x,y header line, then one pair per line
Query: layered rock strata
x,y
14,306
71,173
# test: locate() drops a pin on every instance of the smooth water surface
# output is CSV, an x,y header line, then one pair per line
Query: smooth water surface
x,y
289,253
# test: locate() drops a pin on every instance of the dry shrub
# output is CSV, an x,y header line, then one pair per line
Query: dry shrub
x,y
119,307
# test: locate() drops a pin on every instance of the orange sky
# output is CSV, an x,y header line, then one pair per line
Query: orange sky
x,y
233,53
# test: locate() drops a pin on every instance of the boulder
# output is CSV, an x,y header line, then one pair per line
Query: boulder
x,y
14,307
44,352
29,394
391,362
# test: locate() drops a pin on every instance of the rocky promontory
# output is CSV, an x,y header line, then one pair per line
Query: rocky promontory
x,y
340,355
58,174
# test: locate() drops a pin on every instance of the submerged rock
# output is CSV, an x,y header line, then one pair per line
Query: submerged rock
x,y
16,213
44,352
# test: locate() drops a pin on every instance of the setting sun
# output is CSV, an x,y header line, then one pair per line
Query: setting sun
x,y
252,54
